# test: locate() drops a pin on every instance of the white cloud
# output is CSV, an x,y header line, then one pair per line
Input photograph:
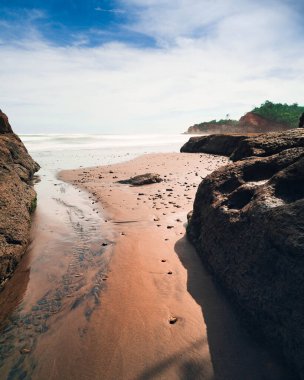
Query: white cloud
x,y
250,56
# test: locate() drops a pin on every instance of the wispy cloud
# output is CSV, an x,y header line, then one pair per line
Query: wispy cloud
x,y
114,10
221,60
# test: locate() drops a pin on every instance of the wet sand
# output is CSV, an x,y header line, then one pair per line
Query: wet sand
x,y
45,308
161,316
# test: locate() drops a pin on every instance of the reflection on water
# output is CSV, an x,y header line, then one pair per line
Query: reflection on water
x,y
64,269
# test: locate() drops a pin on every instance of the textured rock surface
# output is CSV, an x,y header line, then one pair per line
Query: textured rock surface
x,y
17,198
248,227
223,145
268,143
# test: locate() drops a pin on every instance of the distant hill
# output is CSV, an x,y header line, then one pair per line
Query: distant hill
x,y
268,117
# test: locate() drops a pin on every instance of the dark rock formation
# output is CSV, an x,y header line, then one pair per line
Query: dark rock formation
x,y
268,144
223,145
5,126
238,147
17,198
248,227
143,179
301,121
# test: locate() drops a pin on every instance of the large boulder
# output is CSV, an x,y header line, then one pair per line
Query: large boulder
x,y
248,227
17,199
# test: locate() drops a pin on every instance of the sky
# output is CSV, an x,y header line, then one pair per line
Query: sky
x,y
145,66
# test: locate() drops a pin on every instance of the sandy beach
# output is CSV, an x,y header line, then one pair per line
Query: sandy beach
x,y
161,316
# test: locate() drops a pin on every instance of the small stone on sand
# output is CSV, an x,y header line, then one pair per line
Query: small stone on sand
x,y
172,320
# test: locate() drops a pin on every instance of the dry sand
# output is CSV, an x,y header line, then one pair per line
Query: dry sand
x,y
156,278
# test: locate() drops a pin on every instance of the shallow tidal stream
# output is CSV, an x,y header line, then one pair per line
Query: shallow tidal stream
x,y
64,270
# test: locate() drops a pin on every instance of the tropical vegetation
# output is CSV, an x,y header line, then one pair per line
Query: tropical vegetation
x,y
280,113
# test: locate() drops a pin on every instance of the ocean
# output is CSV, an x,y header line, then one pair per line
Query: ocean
x,y
70,151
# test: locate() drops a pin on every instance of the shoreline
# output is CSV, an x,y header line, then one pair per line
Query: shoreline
x,y
161,315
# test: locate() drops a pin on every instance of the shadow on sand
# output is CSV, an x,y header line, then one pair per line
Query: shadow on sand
x,y
189,369
235,354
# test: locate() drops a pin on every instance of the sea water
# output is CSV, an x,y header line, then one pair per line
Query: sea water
x,y
71,151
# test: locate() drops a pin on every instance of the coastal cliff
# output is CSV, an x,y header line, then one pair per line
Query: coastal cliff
x,y
248,227
17,198
249,123
268,117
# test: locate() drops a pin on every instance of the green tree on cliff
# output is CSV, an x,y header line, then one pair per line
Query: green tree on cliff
x,y
280,113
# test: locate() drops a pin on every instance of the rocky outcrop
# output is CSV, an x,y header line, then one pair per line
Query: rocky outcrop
x,y
5,126
248,227
17,198
238,147
268,144
223,145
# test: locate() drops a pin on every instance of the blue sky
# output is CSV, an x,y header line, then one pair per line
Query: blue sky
x,y
72,22
144,66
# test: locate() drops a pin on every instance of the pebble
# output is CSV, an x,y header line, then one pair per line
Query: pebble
x,y
172,320
25,350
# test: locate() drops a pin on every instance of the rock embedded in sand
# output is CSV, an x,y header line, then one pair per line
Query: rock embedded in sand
x,y
172,320
143,179
248,227
17,198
